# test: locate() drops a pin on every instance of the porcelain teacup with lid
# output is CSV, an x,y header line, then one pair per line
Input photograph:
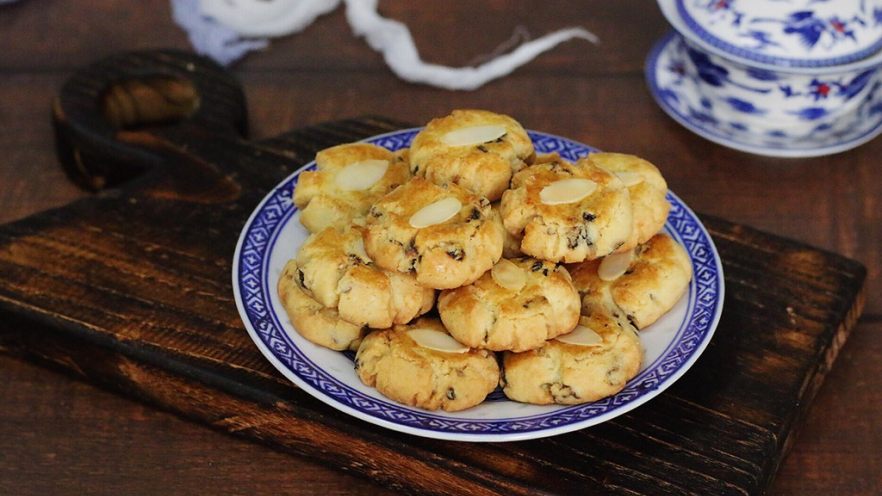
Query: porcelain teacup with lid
x,y
775,77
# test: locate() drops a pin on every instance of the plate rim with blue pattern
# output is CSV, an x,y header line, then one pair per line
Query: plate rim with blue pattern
x,y
272,333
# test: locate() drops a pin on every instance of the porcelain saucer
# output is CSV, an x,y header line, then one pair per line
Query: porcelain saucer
x,y
676,89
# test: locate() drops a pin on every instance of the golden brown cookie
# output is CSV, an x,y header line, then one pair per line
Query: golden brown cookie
x,y
312,320
594,361
477,149
333,268
516,306
511,245
647,189
349,179
567,212
421,365
644,282
445,235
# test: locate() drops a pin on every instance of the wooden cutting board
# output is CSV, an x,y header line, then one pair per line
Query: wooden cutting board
x,y
131,289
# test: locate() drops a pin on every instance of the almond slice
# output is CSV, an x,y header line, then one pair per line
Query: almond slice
x,y
508,275
613,266
436,340
436,212
567,191
630,178
359,176
582,335
474,135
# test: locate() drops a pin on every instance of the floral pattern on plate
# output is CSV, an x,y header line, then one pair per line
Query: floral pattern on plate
x,y
673,344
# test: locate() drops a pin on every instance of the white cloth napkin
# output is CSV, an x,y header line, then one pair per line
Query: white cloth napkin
x,y
227,29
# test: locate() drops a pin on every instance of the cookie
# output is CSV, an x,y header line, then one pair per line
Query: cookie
x,y
516,306
333,268
444,235
594,361
421,365
312,320
477,149
349,179
567,212
647,189
511,244
644,283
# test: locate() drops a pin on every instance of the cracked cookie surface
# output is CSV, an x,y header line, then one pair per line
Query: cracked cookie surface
x,y
498,314
329,197
447,254
655,279
647,189
586,228
312,320
337,272
569,374
482,167
404,371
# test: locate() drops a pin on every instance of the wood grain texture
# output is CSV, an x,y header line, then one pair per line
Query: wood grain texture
x,y
153,317
594,94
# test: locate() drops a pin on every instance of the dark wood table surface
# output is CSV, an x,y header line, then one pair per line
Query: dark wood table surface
x,y
61,436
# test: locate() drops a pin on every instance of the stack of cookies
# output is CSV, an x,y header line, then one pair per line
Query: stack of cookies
x,y
543,271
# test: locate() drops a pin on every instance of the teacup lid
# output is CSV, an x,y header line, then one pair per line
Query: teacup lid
x,y
787,33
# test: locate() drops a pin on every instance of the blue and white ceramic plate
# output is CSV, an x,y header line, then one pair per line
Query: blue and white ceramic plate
x,y
273,235
684,91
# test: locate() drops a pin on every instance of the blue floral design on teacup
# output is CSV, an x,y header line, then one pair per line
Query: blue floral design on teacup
x,y
767,100
795,33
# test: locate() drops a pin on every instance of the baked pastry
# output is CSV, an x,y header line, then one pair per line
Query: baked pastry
x,y
511,244
312,320
421,365
333,269
517,306
644,283
445,235
477,149
647,189
567,212
348,180
594,361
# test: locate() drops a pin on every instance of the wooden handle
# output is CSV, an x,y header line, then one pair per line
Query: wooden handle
x,y
137,111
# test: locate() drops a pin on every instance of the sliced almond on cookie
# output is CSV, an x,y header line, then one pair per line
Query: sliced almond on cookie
x,y
436,340
508,275
436,212
359,176
567,191
474,135
582,335
613,266
630,178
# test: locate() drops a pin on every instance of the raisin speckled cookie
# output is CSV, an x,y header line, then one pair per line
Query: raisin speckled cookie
x,y
444,235
644,282
511,245
477,149
349,179
594,361
312,320
516,306
567,212
647,189
421,365
333,268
